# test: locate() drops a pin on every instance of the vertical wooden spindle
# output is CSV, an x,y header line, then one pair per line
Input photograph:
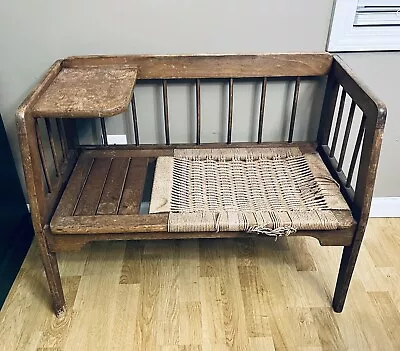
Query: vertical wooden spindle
x,y
230,112
166,118
135,121
338,123
52,146
262,108
328,108
198,123
43,157
294,108
103,131
61,134
356,151
346,136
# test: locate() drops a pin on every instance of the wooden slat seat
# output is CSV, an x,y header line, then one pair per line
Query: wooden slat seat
x,y
105,191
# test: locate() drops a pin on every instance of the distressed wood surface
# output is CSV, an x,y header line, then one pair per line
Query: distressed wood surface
x,y
294,109
359,199
210,295
132,191
109,197
214,66
68,242
43,203
86,92
113,188
262,109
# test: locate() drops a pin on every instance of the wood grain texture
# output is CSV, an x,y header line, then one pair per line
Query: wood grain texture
x,y
133,187
156,150
135,120
73,191
230,112
198,112
92,191
338,123
262,109
113,187
294,109
67,242
43,204
166,115
214,66
209,295
86,92
346,135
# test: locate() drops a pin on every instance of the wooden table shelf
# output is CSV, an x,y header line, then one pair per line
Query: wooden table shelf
x,y
87,92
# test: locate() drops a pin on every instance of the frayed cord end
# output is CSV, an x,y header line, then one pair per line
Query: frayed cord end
x,y
277,232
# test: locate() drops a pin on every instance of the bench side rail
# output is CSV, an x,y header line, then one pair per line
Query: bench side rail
x,y
335,132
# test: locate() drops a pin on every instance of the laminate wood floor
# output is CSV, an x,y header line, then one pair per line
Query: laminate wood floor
x,y
210,295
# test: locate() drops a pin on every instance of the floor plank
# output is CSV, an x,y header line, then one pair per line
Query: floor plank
x,y
198,295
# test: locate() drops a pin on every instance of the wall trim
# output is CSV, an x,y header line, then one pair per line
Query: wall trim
x,y
385,207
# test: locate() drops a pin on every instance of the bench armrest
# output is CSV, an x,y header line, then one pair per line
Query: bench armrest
x,y
368,140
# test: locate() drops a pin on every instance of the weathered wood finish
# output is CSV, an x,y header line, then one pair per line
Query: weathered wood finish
x,y
166,118
42,203
67,242
294,109
103,131
80,92
230,112
262,109
214,66
356,151
132,189
346,135
61,133
198,112
53,146
371,131
108,180
135,120
338,123
43,158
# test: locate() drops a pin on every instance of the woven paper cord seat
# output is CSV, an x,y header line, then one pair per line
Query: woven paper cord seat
x,y
254,189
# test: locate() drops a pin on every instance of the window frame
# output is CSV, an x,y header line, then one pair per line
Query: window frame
x,y
344,36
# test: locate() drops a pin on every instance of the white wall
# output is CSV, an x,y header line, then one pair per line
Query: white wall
x,y
35,33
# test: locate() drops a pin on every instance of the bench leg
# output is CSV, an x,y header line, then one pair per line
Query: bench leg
x,y
347,264
49,260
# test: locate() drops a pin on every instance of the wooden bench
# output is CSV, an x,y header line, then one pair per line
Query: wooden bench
x,y
82,193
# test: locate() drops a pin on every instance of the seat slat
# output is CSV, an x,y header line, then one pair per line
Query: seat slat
x,y
133,190
113,188
74,187
93,188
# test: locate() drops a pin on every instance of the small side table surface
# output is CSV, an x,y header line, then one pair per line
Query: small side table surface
x,y
88,91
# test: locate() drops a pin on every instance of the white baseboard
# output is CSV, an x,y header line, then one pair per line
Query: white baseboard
x,y
385,207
